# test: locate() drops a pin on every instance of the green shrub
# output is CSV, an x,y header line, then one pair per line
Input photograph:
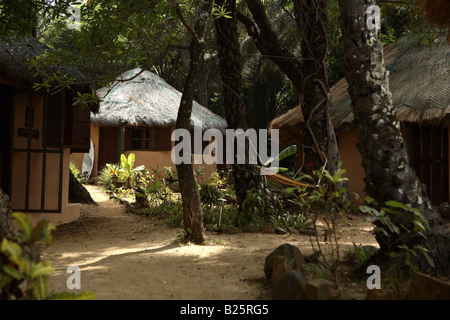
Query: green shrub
x,y
209,194
22,274
221,215
77,173
174,211
107,178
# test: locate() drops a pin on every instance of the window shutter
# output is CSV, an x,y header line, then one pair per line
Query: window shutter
x,y
80,128
55,120
163,141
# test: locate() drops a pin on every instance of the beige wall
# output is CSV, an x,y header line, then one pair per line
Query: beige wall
x,y
352,161
150,159
69,212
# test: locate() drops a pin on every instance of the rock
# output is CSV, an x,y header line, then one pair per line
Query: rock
x,y
266,229
279,231
280,268
290,253
210,227
292,230
290,287
250,228
233,230
380,294
318,289
425,287
310,232
351,295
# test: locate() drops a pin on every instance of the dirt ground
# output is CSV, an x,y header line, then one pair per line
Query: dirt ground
x,y
124,256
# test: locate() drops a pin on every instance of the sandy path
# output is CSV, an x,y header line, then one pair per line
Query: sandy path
x,y
125,256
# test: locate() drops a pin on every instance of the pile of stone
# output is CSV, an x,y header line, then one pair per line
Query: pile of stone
x,y
283,268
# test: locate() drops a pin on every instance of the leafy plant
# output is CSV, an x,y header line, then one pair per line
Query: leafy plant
x,y
394,235
171,175
22,274
209,194
294,220
174,210
325,203
360,253
222,216
107,178
285,153
216,180
126,174
318,270
254,208
199,172
77,173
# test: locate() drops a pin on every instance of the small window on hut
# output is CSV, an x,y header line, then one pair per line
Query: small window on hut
x,y
147,139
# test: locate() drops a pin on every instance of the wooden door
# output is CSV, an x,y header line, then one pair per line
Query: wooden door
x,y
108,146
430,160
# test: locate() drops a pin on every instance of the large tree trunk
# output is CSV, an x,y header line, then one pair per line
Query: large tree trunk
x,y
192,207
246,176
309,77
312,22
389,175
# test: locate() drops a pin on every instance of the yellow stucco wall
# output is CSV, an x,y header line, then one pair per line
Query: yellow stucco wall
x,y
352,161
69,212
150,159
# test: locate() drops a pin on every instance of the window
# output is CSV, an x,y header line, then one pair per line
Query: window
x,y
147,139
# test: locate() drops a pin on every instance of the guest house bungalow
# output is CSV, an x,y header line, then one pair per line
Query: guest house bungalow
x,y
38,130
419,81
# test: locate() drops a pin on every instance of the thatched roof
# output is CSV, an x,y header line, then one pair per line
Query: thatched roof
x,y
14,57
140,97
419,81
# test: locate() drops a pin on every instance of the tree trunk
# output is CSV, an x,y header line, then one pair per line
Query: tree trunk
x,y
192,207
309,77
312,21
246,176
389,175
6,225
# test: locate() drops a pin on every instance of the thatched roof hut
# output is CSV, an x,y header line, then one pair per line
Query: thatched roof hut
x,y
14,58
140,97
419,81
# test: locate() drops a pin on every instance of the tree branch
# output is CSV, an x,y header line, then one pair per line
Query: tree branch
x,y
184,21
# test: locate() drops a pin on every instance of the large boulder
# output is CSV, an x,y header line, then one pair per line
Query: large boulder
x,y
425,287
291,255
318,289
291,287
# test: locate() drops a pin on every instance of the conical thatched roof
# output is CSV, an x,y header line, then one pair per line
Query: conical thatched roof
x,y
419,81
14,57
148,100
